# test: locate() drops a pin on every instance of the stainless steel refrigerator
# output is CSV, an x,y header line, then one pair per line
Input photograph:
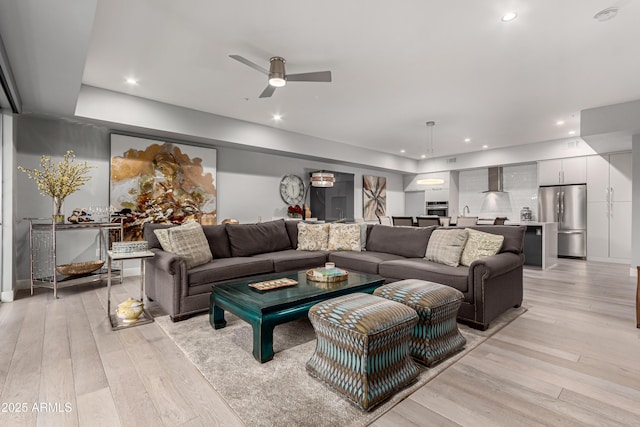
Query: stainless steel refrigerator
x,y
566,205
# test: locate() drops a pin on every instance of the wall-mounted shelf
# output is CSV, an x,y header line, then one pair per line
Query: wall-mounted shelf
x,y
43,244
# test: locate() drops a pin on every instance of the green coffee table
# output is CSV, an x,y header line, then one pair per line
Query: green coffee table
x,y
263,310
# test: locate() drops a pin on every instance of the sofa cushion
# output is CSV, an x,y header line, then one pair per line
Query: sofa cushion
x,y
227,269
366,262
189,242
480,245
251,239
313,237
513,236
408,242
445,246
344,237
419,268
292,230
292,260
218,240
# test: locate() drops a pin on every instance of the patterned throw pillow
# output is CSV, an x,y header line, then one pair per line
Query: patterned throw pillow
x,y
344,237
363,236
313,237
189,242
480,245
445,246
163,237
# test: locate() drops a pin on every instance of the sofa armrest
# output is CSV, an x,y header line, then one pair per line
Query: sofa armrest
x,y
166,261
166,280
496,265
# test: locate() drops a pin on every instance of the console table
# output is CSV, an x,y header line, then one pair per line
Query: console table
x,y
43,245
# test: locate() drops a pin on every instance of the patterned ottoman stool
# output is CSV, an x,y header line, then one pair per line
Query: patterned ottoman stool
x,y
362,350
436,335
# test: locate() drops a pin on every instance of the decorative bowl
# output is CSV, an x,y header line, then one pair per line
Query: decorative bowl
x,y
130,310
79,268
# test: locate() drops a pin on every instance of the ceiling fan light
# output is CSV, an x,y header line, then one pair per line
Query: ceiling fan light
x,y
277,81
276,72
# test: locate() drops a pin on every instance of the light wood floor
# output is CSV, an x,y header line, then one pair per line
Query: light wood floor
x,y
572,359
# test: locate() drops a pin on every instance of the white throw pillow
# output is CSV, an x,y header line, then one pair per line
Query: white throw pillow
x,y
480,245
313,237
344,237
163,237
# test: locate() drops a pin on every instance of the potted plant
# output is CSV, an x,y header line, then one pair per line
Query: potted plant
x,y
294,211
59,180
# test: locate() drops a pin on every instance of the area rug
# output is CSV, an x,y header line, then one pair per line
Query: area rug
x,y
280,392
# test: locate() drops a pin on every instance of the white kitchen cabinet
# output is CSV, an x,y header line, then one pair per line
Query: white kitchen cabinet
x,y
620,177
609,177
609,207
572,170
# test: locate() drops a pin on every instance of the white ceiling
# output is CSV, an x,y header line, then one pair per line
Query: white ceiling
x,y
395,65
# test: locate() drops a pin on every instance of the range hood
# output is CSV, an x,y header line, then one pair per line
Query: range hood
x,y
495,180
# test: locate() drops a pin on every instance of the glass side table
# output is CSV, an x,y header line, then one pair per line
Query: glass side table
x,y
145,317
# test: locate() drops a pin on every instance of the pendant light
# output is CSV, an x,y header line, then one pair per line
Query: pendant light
x,y
430,125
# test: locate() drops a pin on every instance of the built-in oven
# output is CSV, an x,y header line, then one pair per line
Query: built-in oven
x,y
437,208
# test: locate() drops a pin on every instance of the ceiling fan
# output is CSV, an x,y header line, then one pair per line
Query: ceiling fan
x,y
278,77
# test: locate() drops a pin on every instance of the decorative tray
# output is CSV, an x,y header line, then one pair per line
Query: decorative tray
x,y
273,284
79,268
324,274
129,247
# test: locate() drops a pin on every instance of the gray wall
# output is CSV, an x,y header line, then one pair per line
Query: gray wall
x,y
248,183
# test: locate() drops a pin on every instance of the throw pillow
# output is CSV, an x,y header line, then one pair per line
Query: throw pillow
x,y
313,237
445,246
344,237
189,242
480,245
163,237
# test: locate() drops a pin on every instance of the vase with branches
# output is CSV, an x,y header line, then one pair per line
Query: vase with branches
x,y
59,180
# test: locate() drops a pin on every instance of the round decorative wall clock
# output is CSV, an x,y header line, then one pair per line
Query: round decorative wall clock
x,y
292,189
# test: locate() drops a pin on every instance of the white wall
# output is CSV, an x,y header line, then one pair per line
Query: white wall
x,y
635,205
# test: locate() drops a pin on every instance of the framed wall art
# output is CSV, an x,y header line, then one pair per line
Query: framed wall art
x,y
161,182
374,197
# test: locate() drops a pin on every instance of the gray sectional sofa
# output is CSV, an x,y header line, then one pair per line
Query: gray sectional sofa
x,y
490,285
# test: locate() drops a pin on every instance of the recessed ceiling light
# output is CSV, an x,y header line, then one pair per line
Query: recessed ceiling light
x,y
467,140
560,122
277,117
424,156
509,16
572,132
402,151
485,147
131,81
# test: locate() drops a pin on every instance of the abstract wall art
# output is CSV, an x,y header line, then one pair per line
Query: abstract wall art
x,y
161,182
374,197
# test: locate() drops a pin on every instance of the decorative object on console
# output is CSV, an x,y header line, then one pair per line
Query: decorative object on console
x,y
79,268
129,247
294,211
59,180
374,197
79,215
161,182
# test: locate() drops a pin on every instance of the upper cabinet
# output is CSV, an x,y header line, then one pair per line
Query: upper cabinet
x,y
562,171
609,178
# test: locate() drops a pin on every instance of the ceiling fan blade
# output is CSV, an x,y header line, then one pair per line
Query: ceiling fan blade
x,y
317,76
249,63
268,91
